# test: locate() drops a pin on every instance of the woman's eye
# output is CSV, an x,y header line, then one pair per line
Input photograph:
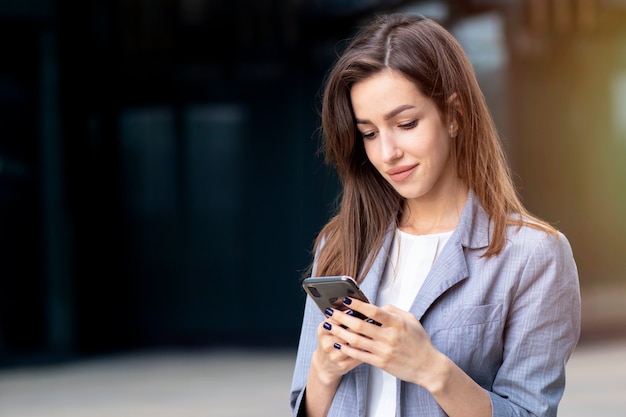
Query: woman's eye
x,y
368,135
409,125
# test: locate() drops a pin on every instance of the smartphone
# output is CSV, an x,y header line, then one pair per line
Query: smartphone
x,y
328,292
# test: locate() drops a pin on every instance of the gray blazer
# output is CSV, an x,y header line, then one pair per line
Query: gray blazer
x,y
510,321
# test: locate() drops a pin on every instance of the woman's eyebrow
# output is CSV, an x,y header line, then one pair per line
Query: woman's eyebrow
x,y
389,115
397,111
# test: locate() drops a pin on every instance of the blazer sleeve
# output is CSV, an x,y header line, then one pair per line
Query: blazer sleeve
x,y
307,345
542,330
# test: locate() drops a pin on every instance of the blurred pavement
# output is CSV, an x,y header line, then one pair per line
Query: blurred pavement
x,y
214,383
241,383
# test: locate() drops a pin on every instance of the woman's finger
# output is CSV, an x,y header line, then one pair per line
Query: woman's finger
x,y
370,311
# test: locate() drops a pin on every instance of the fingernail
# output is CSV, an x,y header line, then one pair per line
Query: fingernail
x,y
350,312
347,301
329,311
327,326
337,346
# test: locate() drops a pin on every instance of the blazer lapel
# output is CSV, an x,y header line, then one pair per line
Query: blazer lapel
x,y
450,268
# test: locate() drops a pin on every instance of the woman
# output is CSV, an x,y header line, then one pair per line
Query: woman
x,y
478,301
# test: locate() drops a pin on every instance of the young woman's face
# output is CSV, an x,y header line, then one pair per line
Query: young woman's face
x,y
404,135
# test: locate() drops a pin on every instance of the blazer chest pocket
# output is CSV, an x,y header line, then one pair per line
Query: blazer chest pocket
x,y
468,325
471,316
471,336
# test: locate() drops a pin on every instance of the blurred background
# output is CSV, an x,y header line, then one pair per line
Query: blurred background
x,y
160,185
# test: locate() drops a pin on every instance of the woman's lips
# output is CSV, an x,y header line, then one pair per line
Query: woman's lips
x,y
399,174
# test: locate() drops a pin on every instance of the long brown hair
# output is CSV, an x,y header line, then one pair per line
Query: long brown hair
x,y
428,55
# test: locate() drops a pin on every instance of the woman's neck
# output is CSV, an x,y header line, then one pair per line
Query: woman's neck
x,y
434,214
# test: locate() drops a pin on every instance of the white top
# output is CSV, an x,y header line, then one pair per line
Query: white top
x,y
409,263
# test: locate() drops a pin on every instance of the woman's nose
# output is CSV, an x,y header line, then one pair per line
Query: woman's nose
x,y
389,148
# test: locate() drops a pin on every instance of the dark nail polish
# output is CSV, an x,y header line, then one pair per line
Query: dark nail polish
x,y
329,311
327,326
350,312
337,346
347,301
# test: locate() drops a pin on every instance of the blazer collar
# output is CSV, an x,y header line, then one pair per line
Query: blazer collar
x,y
472,232
474,225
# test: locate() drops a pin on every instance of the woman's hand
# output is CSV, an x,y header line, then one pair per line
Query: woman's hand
x,y
328,365
329,361
399,345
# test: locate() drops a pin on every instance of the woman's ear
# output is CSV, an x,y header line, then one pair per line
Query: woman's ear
x,y
453,101
454,109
